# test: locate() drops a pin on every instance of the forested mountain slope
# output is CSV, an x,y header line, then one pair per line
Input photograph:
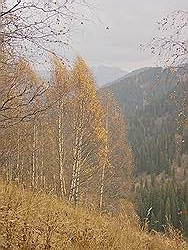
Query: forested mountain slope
x,y
151,100
154,101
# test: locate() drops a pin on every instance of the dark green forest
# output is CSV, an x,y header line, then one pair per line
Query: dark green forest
x,y
154,103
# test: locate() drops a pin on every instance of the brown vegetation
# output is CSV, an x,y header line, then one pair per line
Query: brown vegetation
x,y
38,221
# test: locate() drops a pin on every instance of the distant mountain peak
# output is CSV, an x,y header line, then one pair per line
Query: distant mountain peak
x,y
104,74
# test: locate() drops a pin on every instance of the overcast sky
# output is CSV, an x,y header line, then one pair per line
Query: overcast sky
x,y
130,22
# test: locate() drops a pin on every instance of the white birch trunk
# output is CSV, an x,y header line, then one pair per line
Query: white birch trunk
x,y
77,186
61,153
41,166
34,156
75,182
74,169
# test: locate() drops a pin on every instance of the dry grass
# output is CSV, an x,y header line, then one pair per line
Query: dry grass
x,y
37,221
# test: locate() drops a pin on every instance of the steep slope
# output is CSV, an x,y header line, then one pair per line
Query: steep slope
x,y
149,98
154,101
38,221
135,90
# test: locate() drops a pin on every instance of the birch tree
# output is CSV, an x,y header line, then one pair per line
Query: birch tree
x,y
60,92
27,27
89,135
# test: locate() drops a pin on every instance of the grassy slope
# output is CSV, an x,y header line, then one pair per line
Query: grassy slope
x,y
37,221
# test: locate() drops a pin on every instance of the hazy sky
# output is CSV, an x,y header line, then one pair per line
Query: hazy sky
x,y
130,22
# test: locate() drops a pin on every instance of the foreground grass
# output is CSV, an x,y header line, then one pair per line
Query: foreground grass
x,y
37,221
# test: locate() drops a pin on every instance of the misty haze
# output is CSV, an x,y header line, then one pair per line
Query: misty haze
x,y
94,124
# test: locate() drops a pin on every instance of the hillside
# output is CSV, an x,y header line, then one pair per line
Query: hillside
x,y
39,221
80,167
154,103
149,99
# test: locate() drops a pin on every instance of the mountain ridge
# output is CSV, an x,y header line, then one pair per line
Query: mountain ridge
x,y
103,74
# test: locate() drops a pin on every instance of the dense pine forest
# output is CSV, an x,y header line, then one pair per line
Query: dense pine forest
x,y
153,100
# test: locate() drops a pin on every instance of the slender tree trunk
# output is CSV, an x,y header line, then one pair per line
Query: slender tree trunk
x,y
61,153
41,166
104,167
76,167
77,186
18,160
34,156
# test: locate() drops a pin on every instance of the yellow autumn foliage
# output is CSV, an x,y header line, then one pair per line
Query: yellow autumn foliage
x,y
38,221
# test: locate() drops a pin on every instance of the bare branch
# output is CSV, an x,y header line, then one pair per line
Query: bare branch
x,y
11,9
